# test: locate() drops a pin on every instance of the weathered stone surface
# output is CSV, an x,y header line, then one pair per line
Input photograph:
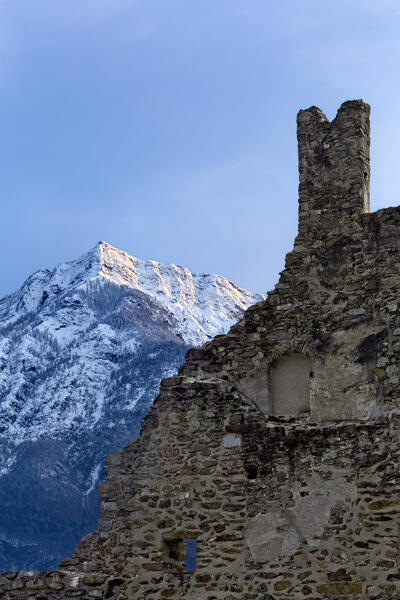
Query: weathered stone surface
x,y
297,504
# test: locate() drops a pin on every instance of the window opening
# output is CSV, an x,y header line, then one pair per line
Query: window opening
x,y
189,564
252,471
182,554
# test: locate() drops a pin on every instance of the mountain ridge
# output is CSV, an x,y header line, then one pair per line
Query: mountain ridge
x,y
148,276
82,350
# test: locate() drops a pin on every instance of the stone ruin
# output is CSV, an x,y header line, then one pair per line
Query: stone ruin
x,y
268,468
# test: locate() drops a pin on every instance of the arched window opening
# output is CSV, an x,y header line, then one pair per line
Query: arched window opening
x,y
289,383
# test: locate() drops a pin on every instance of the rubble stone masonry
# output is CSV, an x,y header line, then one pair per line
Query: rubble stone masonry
x,y
276,447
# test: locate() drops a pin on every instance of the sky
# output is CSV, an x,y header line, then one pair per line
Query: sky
x,y
167,128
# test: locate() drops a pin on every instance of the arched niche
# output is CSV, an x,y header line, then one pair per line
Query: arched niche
x,y
289,385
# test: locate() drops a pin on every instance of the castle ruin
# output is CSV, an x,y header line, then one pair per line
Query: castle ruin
x,y
268,468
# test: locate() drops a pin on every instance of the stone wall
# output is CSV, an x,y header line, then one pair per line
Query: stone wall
x,y
299,505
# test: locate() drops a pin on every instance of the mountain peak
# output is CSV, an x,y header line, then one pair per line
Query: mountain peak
x,y
201,305
82,350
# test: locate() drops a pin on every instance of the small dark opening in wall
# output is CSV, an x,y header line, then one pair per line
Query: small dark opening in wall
x,y
176,550
252,471
189,564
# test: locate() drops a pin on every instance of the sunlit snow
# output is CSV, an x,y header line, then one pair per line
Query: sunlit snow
x,y
66,333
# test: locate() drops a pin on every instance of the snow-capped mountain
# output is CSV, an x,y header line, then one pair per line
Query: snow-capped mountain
x,y
82,351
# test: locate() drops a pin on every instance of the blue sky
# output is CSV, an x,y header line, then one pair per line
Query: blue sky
x,y
167,127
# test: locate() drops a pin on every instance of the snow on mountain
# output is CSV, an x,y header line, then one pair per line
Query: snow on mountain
x,y
55,313
201,305
82,351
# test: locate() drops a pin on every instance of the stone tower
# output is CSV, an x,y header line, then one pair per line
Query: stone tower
x,y
273,455
334,167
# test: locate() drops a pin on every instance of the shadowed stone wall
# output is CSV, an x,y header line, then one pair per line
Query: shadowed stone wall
x,y
282,507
